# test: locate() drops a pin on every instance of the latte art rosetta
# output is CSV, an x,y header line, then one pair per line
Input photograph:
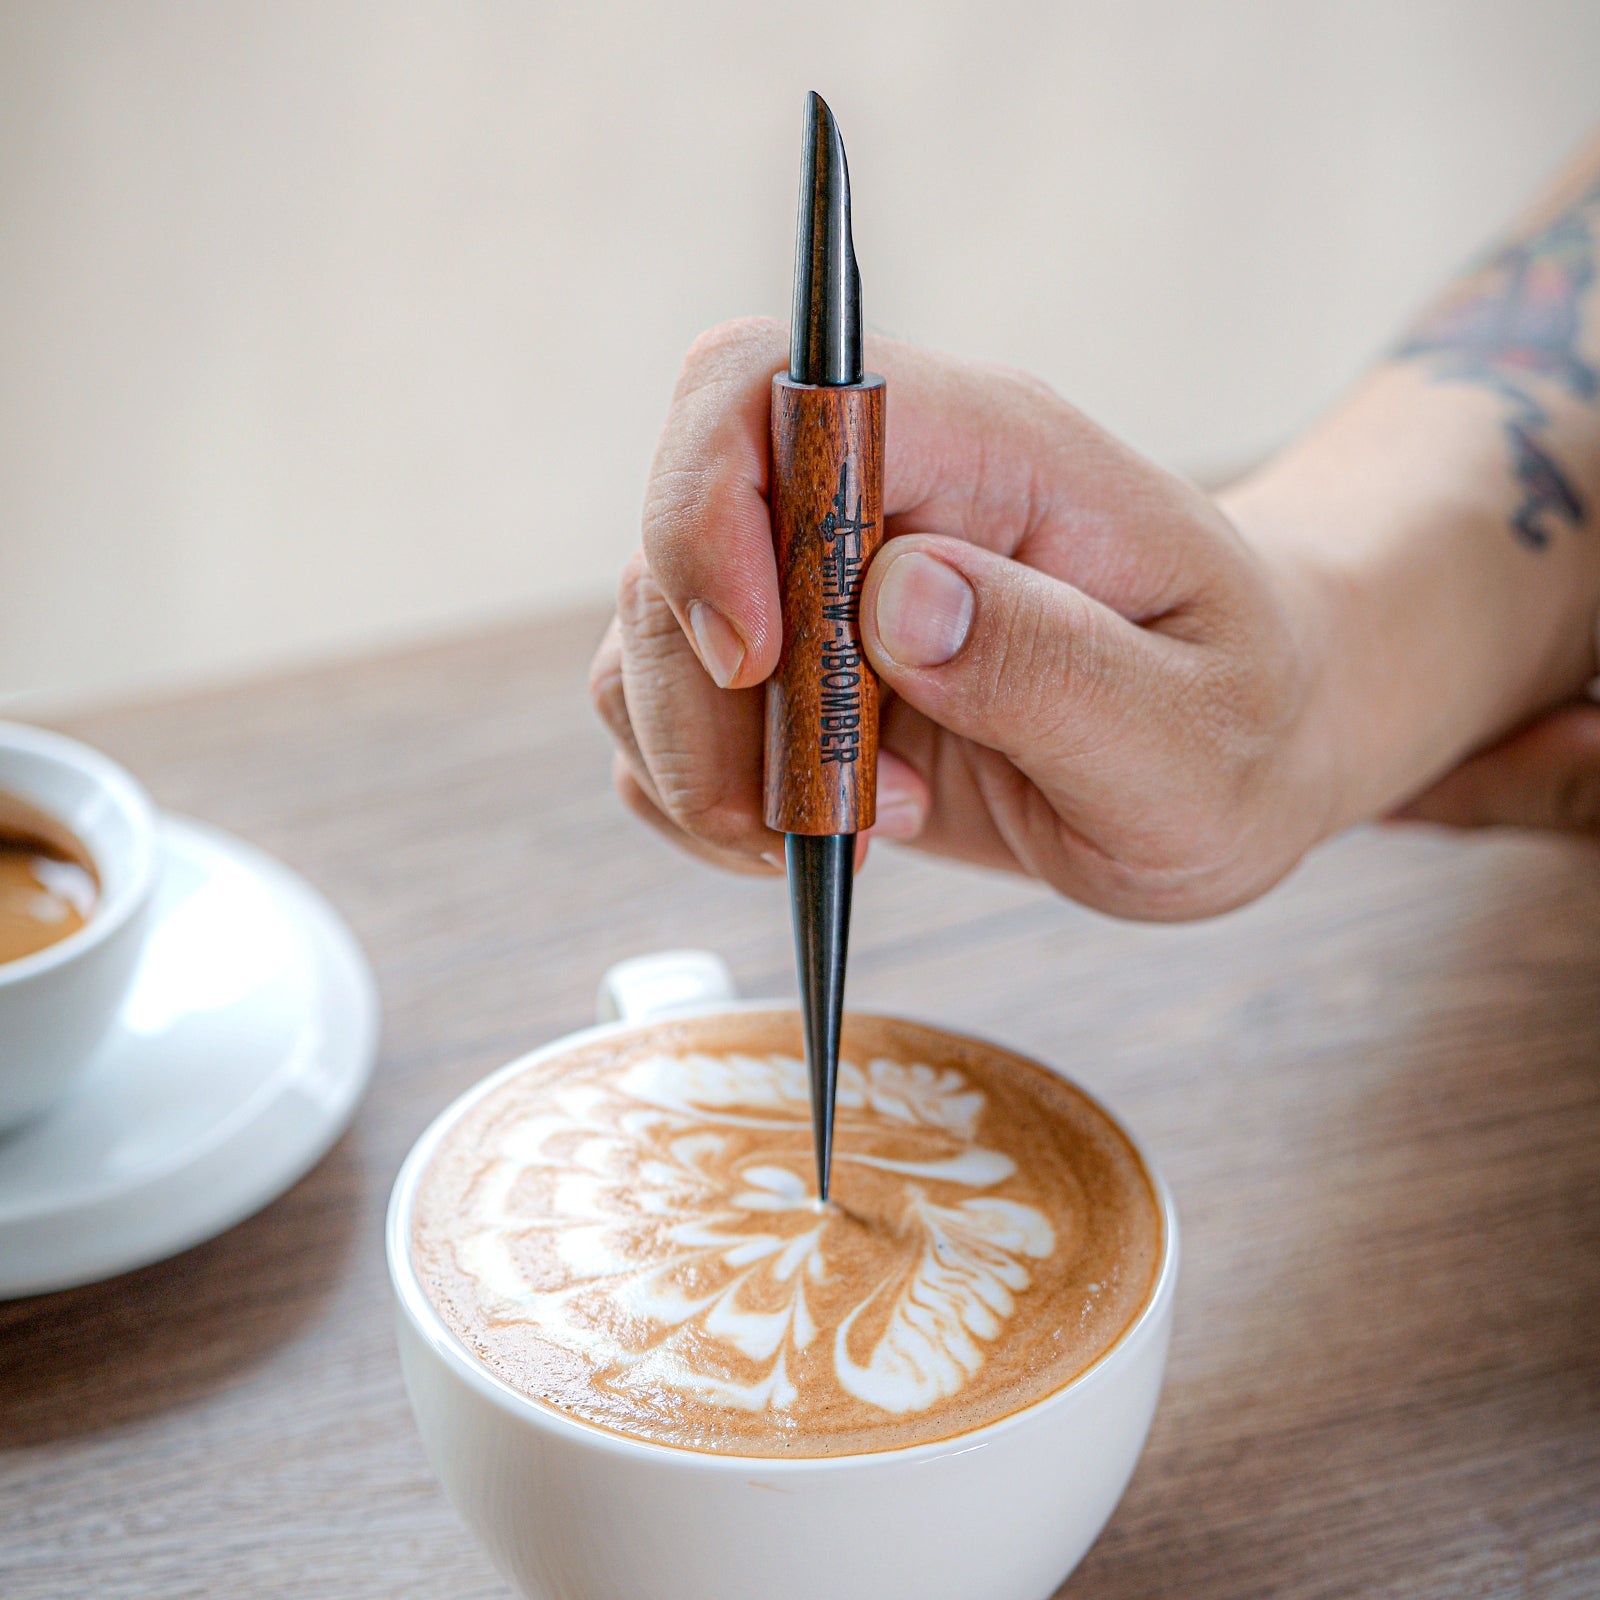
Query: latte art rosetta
x,y
733,1240
636,1238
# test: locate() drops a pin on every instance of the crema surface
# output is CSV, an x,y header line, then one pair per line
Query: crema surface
x,y
629,1232
48,885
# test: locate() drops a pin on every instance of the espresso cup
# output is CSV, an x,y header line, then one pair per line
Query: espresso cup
x,y
58,1003
570,1511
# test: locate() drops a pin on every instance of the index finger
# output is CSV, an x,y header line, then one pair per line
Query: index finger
x,y
707,534
964,444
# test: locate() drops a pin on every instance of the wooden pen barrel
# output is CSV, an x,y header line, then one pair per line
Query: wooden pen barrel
x,y
827,521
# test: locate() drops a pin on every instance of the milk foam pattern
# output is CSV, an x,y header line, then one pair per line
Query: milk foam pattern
x,y
669,1247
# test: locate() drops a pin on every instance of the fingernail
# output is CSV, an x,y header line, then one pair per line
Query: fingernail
x,y
924,610
899,817
721,649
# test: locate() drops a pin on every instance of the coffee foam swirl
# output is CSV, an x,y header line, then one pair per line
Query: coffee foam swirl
x,y
631,1232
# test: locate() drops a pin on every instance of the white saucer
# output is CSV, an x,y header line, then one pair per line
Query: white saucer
x,y
238,1059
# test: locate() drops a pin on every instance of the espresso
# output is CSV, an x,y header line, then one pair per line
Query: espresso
x,y
630,1233
48,884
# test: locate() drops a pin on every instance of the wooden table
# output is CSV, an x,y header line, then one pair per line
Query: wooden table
x,y
1376,1095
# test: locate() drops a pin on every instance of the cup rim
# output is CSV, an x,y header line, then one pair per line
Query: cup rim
x,y
425,1319
129,797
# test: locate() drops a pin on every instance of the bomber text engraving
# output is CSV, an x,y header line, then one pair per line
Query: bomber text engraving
x,y
841,657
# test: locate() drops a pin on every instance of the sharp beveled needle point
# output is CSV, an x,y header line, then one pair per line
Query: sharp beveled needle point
x,y
825,330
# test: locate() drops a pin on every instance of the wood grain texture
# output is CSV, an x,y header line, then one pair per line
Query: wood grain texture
x,y
1376,1094
827,521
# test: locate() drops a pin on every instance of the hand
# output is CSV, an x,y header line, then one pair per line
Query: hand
x,y
1088,675
1545,775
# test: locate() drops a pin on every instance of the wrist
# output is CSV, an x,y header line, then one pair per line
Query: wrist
x,y
1402,674
1431,631
1333,755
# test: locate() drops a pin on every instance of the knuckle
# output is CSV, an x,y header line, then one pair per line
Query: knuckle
x,y
680,504
1245,692
713,802
669,497
732,343
607,659
609,702
682,798
633,794
1039,391
636,590
709,812
1236,711
1052,678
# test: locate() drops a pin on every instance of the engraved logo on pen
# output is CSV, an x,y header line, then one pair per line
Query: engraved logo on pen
x,y
842,665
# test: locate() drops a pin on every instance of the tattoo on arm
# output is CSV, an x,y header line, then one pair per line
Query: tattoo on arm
x,y
1513,324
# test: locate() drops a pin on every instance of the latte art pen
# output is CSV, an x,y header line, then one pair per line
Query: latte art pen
x,y
827,520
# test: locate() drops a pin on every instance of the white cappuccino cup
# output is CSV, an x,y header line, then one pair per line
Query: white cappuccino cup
x,y
570,1511
57,1004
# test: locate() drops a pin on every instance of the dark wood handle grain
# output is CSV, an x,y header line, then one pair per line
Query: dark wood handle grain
x,y
827,521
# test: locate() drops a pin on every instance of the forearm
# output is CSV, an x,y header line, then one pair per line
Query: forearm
x,y
1442,527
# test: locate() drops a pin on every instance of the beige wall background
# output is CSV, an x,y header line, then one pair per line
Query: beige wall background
x,y
327,324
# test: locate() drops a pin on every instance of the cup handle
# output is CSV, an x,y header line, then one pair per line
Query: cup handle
x,y
647,987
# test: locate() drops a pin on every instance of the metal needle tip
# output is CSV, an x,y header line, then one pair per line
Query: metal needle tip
x,y
825,329
821,872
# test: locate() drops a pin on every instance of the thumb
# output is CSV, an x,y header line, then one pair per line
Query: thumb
x,y
1546,775
1005,655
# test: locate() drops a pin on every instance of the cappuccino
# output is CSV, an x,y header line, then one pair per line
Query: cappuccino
x,y
629,1232
48,884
